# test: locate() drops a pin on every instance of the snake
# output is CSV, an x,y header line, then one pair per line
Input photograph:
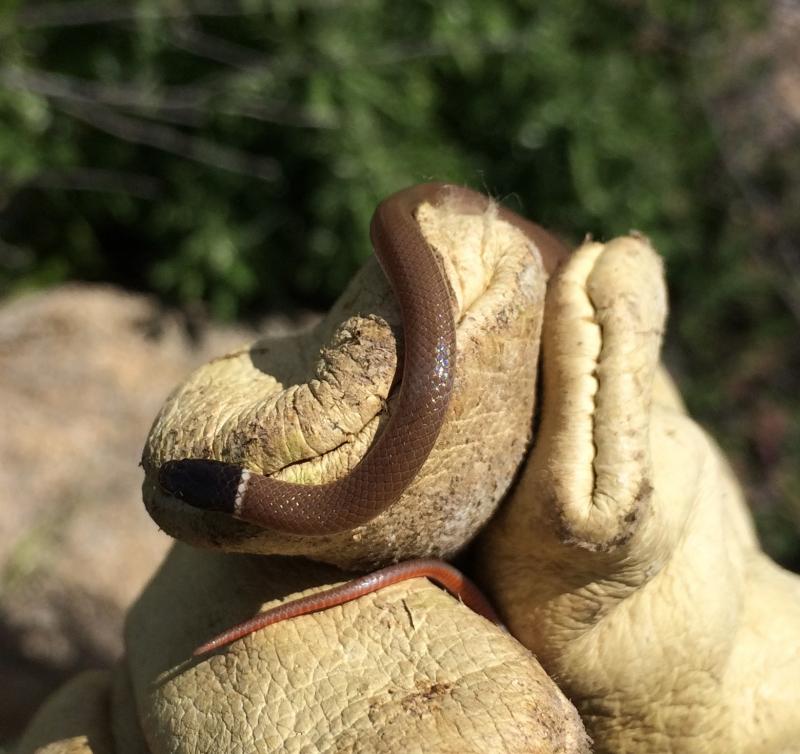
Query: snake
x,y
453,581
417,277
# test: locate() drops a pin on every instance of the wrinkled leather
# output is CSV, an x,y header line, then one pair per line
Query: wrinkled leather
x,y
307,408
626,557
408,669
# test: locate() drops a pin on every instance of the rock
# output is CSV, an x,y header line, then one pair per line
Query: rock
x,y
83,370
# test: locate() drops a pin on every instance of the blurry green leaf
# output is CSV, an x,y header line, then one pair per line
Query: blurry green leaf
x,y
232,154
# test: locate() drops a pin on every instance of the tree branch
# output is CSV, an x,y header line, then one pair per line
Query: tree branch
x,y
175,142
98,180
92,12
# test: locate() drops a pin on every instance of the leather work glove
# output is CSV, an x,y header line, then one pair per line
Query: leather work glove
x,y
625,558
406,669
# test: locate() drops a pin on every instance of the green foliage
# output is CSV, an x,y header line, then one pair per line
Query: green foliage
x,y
232,152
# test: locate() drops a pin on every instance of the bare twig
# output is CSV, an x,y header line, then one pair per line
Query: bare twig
x,y
176,142
788,253
91,92
773,253
92,12
764,125
188,37
186,105
98,180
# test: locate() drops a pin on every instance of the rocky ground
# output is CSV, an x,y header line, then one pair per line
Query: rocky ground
x,y
83,370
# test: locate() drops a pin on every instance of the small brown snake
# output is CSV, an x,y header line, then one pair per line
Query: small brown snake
x,y
436,570
424,296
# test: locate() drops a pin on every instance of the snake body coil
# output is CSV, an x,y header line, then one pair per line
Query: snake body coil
x,y
424,296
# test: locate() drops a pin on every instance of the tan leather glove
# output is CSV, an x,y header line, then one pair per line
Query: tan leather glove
x,y
402,670
626,558
408,669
